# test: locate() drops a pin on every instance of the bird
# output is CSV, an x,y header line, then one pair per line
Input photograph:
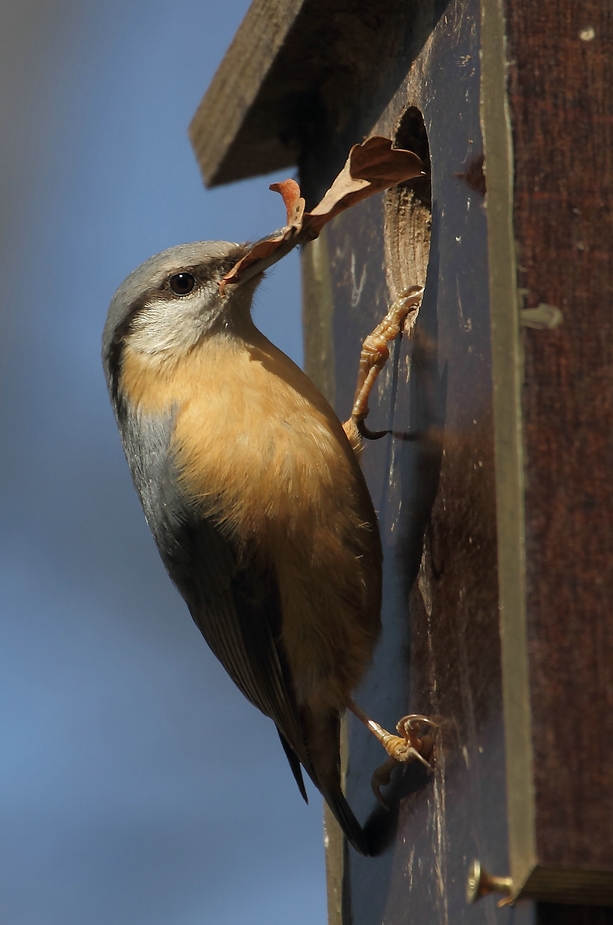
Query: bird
x,y
254,496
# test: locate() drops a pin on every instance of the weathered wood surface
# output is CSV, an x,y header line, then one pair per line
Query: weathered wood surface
x,y
296,72
440,654
561,106
556,914
220,130
492,521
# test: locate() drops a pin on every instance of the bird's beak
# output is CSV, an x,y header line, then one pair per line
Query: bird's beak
x,y
281,245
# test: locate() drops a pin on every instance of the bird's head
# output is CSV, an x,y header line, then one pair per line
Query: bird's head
x,y
173,300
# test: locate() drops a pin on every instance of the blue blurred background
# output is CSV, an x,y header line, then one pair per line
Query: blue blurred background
x,y
123,801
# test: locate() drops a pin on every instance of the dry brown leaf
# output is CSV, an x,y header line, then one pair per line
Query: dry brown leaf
x,y
371,167
266,247
294,203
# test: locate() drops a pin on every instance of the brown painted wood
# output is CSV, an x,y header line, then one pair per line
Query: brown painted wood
x,y
562,116
552,914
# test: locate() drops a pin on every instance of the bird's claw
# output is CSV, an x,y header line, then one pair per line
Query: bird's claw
x,y
381,778
403,748
408,745
374,355
404,725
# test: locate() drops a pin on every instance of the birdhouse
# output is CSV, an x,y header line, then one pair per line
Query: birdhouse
x,y
494,490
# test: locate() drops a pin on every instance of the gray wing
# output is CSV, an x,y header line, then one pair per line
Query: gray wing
x,y
236,607
237,611
233,601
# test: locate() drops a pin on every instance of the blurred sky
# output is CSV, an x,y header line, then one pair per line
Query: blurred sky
x,y
138,786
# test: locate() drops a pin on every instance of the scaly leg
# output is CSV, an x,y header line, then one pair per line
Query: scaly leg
x,y
407,746
374,355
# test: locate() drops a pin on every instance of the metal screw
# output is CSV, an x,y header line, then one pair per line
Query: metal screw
x,y
480,883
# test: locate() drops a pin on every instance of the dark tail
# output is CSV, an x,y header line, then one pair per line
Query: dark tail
x,y
294,763
323,743
322,764
349,824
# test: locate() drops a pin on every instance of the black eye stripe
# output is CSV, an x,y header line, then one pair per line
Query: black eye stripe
x,y
182,283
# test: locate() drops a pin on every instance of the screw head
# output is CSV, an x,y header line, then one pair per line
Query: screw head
x,y
473,882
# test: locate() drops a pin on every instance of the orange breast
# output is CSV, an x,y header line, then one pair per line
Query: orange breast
x,y
261,450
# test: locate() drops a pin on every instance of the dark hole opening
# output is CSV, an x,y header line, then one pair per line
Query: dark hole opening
x,y
412,135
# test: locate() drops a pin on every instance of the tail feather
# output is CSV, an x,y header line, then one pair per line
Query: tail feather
x,y
294,763
349,824
322,764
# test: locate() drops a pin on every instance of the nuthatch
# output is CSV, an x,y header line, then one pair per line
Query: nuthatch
x,y
255,498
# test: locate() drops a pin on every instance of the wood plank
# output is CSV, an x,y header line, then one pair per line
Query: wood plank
x,y
507,373
215,131
499,521
440,652
560,76
292,78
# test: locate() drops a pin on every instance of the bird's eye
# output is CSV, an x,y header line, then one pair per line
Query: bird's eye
x,y
182,283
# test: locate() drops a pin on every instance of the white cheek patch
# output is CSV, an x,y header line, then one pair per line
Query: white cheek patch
x,y
164,326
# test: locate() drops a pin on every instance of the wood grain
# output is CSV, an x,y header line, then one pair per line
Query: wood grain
x,y
292,82
229,101
334,72
440,653
562,117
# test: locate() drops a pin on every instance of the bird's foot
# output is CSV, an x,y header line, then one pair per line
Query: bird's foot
x,y
381,778
414,743
374,355
409,745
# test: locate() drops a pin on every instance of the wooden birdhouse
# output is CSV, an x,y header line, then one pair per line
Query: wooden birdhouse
x,y
495,494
